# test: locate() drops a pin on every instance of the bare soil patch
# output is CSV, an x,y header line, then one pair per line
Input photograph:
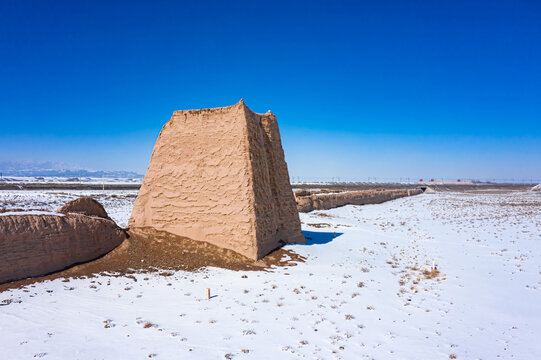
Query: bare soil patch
x,y
148,250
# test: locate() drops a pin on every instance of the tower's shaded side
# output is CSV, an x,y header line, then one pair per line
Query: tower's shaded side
x,y
219,175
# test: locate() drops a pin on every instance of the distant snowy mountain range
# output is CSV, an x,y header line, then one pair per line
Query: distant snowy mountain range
x,y
49,168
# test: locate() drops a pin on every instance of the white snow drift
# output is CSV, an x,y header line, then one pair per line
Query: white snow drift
x,y
359,295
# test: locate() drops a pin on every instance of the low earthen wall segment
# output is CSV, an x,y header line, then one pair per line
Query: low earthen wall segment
x,y
34,245
308,202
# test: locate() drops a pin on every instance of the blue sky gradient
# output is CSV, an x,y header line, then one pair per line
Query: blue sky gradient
x,y
384,89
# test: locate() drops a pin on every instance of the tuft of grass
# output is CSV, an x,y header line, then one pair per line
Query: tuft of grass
x,y
431,274
108,324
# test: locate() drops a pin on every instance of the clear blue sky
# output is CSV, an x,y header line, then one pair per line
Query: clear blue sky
x,y
439,89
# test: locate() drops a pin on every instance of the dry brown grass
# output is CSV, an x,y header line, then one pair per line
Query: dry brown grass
x,y
320,225
431,274
324,215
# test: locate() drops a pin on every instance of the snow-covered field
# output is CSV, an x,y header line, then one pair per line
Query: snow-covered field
x,y
69,180
118,203
361,294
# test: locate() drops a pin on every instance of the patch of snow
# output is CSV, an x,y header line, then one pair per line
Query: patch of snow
x,y
70,180
31,212
117,203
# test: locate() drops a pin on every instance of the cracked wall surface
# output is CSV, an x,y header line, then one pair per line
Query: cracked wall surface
x,y
219,175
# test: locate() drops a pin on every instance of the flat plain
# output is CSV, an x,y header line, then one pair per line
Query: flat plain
x,y
366,290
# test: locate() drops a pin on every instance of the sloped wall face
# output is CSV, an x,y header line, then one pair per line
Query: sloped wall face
x,y
213,177
198,181
266,212
282,225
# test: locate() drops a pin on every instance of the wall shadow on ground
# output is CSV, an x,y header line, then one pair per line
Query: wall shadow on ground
x,y
319,237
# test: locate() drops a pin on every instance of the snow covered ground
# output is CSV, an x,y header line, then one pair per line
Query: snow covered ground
x,y
69,180
118,203
359,295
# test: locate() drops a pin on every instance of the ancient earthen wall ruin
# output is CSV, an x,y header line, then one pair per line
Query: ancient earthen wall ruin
x,y
307,202
219,175
33,245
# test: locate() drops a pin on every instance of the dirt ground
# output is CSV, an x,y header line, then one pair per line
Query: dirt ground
x,y
148,250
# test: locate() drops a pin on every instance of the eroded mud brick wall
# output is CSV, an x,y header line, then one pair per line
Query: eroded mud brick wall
x,y
34,245
216,175
277,219
307,202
